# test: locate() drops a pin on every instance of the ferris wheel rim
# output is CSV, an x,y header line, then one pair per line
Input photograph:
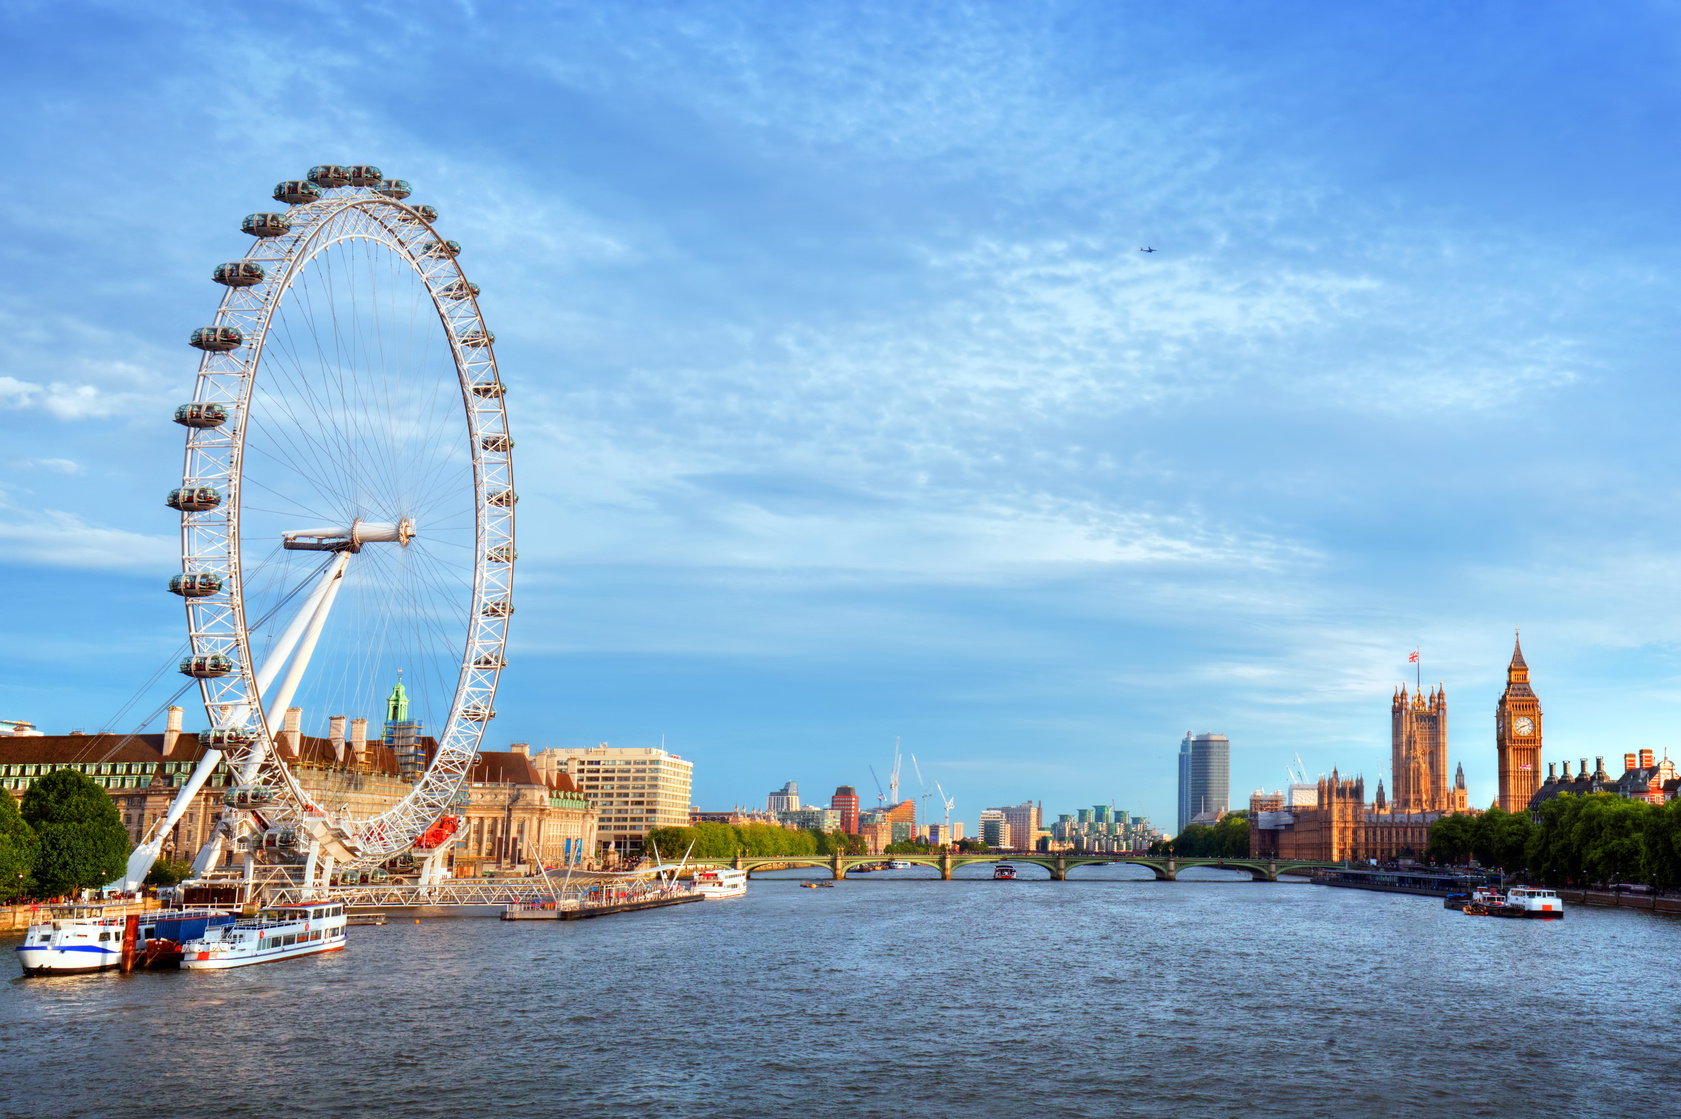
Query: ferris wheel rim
x,y
218,623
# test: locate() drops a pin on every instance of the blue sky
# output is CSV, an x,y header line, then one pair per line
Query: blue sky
x,y
847,408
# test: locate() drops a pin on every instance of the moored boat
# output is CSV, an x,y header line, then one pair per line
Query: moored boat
x,y
1003,872
273,934
75,939
900,864
716,884
1533,901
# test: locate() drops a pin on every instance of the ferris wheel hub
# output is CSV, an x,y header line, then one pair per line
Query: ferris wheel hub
x,y
339,538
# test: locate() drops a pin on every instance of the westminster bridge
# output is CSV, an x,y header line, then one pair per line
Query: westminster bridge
x,y
1166,868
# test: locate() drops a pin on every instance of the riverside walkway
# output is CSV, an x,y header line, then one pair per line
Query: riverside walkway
x,y
1166,868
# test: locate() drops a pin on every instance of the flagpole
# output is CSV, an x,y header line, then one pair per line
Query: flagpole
x,y
1418,662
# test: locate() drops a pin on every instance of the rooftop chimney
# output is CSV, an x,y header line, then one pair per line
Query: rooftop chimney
x,y
1599,773
523,749
1585,771
1566,770
171,731
291,737
1628,762
1647,760
335,735
359,740
1552,771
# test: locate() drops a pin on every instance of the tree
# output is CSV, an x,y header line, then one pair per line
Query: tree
x,y
19,849
165,872
1662,855
1227,839
83,841
1451,838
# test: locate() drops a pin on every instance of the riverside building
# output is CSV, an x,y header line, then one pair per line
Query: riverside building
x,y
509,814
845,801
1205,778
634,789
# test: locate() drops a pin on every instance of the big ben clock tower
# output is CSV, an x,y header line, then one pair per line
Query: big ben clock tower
x,y
1517,736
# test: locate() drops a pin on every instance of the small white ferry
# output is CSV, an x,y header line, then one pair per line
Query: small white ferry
x,y
73,938
714,884
1536,902
900,864
273,934
80,938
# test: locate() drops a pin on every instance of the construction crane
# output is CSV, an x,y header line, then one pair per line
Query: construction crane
x,y
922,818
893,781
948,802
880,796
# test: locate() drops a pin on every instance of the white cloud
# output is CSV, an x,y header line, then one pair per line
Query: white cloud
x,y
58,539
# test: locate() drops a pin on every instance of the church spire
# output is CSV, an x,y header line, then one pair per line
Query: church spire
x,y
1517,653
397,705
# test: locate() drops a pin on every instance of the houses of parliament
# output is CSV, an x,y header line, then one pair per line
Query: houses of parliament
x,y
1332,820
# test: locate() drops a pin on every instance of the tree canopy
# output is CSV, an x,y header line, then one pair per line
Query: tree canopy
x,y
1575,840
1228,839
83,841
19,848
725,841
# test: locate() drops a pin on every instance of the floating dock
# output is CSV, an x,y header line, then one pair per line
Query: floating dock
x,y
573,911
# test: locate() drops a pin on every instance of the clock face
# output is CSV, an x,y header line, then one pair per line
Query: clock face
x,y
1524,725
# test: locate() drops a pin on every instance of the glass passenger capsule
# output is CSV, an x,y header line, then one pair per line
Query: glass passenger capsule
x,y
238,274
478,714
194,499
216,339
477,337
201,415
225,738
266,225
296,192
489,660
430,213
503,499
395,188
496,442
207,667
491,390
502,553
328,175
450,249
461,289
498,608
364,175
197,584
248,796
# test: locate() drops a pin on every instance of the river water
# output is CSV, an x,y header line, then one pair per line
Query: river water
x,y
894,995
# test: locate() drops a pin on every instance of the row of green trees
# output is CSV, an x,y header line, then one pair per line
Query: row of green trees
x,y
1228,839
64,837
725,841
1598,838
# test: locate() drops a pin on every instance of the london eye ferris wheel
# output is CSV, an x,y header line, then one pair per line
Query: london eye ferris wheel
x,y
347,502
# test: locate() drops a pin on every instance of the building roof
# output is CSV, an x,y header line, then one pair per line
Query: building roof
x,y
73,749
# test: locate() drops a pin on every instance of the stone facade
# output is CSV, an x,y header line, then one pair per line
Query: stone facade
x,y
1419,750
513,812
1517,736
636,789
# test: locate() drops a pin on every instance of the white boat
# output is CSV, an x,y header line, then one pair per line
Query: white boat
x,y
82,938
899,864
273,934
73,938
714,884
1536,902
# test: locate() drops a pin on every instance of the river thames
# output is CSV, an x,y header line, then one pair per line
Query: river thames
x,y
1105,995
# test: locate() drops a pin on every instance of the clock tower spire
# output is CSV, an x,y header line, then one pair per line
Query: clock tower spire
x,y
1517,736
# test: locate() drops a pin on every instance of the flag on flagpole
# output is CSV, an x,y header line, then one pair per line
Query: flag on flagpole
x,y
1412,656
